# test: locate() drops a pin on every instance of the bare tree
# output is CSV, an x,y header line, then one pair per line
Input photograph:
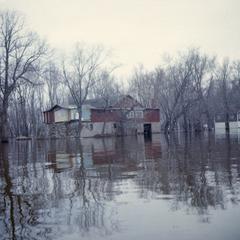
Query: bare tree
x,y
20,52
235,91
177,92
80,74
106,90
18,113
183,89
25,110
202,76
223,76
142,86
55,90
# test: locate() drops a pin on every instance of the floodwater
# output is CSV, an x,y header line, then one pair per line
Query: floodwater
x,y
121,188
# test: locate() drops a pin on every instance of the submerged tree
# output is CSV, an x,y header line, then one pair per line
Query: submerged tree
x,y
54,86
80,74
183,89
143,86
107,90
20,53
223,77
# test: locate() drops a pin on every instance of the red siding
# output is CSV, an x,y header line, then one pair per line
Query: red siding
x,y
127,102
49,117
100,158
52,118
99,115
152,115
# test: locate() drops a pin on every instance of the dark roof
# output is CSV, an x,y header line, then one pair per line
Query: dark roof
x,y
52,108
124,101
59,107
221,117
96,103
127,101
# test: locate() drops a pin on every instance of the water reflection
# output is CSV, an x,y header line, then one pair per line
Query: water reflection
x,y
56,189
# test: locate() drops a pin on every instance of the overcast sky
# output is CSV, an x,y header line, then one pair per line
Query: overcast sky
x,y
138,31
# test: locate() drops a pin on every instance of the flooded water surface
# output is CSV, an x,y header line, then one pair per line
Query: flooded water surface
x,y
121,188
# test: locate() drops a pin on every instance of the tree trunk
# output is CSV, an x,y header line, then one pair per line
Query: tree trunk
x,y
24,130
185,122
8,192
166,127
104,124
227,122
172,124
80,126
103,128
4,122
209,121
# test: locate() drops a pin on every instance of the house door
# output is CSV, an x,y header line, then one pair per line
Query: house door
x,y
147,129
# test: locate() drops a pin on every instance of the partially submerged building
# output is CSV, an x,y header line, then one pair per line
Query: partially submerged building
x,y
220,121
124,117
130,154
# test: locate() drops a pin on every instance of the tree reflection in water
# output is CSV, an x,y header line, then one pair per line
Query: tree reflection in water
x,y
50,189
195,175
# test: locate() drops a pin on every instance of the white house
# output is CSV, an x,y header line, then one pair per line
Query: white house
x,y
234,122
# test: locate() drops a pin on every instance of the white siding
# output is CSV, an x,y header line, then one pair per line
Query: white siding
x,y
86,113
221,125
74,114
155,127
61,115
92,129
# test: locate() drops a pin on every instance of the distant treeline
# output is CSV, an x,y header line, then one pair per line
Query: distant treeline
x,y
189,89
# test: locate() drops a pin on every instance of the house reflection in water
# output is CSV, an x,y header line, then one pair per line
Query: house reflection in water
x,y
63,161
121,154
52,190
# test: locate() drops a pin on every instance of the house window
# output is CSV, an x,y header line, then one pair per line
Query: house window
x,y
76,115
139,114
130,114
114,125
91,126
232,117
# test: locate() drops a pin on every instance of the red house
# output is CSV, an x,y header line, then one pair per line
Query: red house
x,y
125,117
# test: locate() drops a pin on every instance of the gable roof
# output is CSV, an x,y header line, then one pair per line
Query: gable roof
x,y
57,106
52,108
96,103
127,101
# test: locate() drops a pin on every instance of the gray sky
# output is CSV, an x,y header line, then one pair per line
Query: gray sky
x,y
138,31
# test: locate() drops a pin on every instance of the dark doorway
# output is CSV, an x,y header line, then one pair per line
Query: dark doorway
x,y
147,129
